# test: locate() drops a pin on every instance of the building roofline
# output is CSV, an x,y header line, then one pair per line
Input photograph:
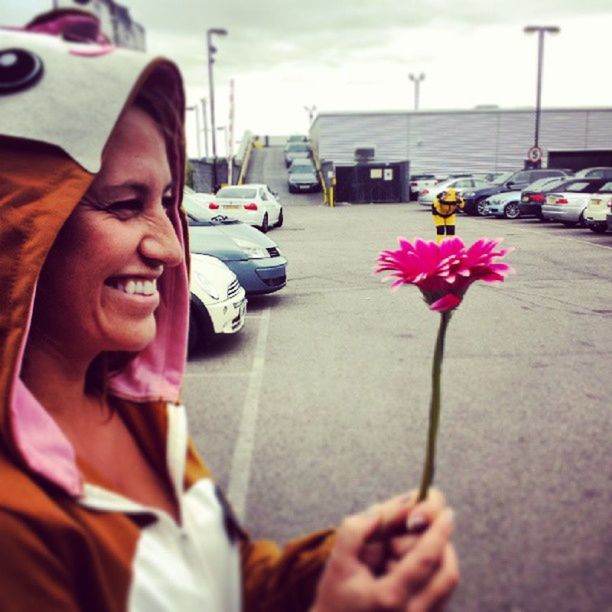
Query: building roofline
x,y
464,111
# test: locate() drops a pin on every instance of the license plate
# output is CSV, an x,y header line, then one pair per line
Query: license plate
x,y
595,202
551,200
231,206
304,186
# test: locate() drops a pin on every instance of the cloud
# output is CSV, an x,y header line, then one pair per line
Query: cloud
x,y
267,33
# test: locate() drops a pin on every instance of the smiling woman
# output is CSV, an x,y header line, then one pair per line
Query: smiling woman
x,y
105,503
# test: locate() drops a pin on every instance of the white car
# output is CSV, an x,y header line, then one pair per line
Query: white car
x,y
595,214
254,204
461,185
568,203
503,204
418,182
218,301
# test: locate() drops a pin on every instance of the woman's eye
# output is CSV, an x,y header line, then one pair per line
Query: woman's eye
x,y
125,207
168,202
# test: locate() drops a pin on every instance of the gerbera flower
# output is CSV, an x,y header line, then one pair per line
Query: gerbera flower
x,y
443,272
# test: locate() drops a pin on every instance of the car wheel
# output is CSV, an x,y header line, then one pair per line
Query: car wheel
x,y
598,229
201,330
481,207
512,211
281,219
265,224
194,332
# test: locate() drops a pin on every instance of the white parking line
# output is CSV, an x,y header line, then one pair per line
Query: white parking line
x,y
240,472
542,232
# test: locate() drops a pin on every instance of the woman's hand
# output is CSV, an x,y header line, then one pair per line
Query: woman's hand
x,y
377,564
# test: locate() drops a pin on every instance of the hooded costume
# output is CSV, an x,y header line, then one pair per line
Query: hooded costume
x,y
67,540
444,211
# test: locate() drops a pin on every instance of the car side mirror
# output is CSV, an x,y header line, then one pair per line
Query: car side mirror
x,y
509,185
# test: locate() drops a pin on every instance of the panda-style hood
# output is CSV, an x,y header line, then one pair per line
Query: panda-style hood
x,y
63,88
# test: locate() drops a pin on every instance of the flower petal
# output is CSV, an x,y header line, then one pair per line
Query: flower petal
x,y
449,302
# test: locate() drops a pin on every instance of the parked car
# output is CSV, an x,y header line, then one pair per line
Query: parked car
x,y
296,138
533,196
254,204
503,204
568,202
595,214
217,301
303,176
609,220
595,172
461,185
517,181
420,181
250,255
296,150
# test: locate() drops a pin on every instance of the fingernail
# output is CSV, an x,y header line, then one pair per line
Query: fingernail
x,y
416,523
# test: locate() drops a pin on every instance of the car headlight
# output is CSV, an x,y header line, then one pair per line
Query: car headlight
x,y
251,250
206,285
470,194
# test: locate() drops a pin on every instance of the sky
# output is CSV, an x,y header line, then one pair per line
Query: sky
x,y
356,55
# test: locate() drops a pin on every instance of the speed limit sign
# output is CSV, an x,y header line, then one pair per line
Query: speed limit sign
x,y
534,154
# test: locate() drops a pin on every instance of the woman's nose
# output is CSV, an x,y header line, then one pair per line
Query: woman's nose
x,y
161,243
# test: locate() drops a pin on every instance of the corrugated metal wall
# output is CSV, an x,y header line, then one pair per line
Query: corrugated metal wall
x,y
456,141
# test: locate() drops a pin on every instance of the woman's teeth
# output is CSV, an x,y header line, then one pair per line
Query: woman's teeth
x,y
137,287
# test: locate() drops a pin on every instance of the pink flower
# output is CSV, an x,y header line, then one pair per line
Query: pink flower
x,y
443,272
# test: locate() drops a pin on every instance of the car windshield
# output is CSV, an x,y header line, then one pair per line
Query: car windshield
x,y
579,186
200,221
301,167
500,179
296,138
545,183
298,147
237,193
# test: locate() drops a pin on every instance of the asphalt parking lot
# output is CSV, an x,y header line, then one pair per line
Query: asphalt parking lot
x,y
318,407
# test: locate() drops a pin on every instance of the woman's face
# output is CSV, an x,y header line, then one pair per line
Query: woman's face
x,y
98,287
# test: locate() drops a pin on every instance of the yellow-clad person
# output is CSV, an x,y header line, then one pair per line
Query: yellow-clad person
x,y
444,211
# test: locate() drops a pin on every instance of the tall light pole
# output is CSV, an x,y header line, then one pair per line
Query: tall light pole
x,y
203,100
197,120
211,60
541,30
417,84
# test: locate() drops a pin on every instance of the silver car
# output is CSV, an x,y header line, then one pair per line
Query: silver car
x,y
461,185
568,206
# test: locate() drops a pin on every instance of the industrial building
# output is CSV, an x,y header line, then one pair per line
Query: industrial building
x,y
445,142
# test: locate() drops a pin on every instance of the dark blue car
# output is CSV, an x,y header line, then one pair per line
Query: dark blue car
x,y
253,257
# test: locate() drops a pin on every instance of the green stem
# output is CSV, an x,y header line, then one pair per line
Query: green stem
x,y
434,409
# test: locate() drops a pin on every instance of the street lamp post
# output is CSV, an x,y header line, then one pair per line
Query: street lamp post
x,y
203,100
541,30
197,120
211,60
417,83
